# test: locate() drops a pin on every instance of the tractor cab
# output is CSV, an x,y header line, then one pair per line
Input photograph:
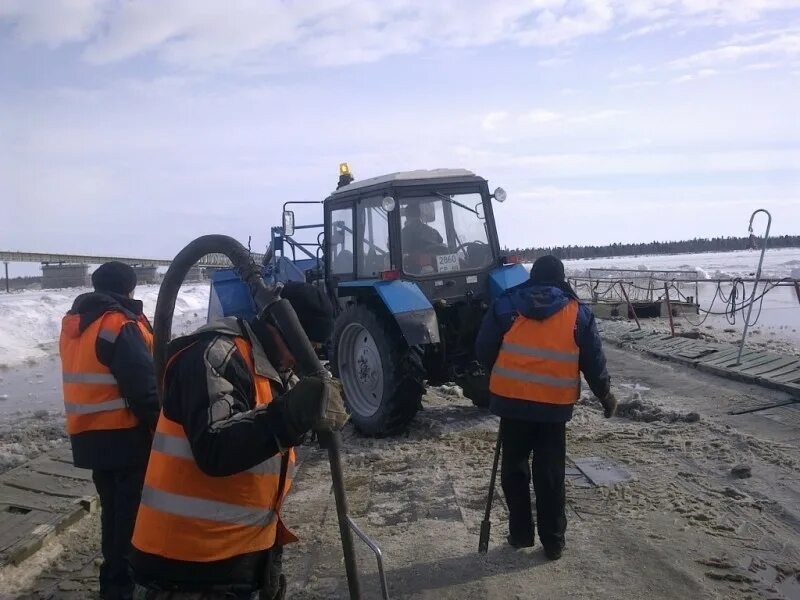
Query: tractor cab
x,y
435,228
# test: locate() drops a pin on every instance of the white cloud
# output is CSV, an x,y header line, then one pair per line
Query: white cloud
x,y
541,116
493,120
781,45
210,34
701,74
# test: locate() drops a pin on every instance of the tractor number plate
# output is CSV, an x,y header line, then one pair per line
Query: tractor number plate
x,y
447,262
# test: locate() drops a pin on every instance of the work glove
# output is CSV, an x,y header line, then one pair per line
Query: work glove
x,y
609,402
314,403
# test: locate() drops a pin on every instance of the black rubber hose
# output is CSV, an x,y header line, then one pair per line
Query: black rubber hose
x,y
283,316
175,275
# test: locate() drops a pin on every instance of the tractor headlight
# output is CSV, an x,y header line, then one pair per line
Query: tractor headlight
x,y
388,203
499,194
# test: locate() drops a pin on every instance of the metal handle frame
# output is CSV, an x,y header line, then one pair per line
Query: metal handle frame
x,y
376,551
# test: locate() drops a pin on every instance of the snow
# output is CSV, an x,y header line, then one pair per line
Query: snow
x,y
30,320
778,263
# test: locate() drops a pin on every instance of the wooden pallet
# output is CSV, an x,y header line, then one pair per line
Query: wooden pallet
x,y
38,500
776,371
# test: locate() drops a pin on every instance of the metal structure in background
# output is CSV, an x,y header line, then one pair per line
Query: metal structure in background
x,y
643,285
669,309
758,275
7,286
210,260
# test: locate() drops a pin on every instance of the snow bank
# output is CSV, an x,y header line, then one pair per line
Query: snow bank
x,y
30,320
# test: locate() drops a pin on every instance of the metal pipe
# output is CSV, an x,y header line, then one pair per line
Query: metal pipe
x,y
758,276
669,309
8,290
333,442
630,306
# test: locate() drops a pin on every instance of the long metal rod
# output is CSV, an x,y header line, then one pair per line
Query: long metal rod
x,y
669,309
378,556
333,443
630,306
758,276
8,290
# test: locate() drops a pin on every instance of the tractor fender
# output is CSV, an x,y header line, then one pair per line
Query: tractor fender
x,y
506,277
412,311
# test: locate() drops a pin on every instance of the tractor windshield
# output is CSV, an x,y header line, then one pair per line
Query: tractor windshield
x,y
443,233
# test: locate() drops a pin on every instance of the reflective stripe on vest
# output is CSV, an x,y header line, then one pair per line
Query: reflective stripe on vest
x,y
538,360
190,516
92,399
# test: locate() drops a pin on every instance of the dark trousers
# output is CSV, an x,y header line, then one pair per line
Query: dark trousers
x,y
120,492
547,442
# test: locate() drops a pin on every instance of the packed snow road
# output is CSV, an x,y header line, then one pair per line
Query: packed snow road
x,y
684,527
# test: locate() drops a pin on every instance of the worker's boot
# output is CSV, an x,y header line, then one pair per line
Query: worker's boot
x,y
519,543
553,551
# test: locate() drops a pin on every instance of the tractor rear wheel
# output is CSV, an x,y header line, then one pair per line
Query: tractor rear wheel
x,y
380,374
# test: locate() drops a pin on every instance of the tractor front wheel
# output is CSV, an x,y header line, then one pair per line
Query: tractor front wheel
x,y
380,374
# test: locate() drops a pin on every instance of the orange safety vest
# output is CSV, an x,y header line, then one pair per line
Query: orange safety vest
x,y
92,400
538,360
188,515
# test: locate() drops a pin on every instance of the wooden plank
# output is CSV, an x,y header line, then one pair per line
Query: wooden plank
x,y
756,362
720,356
17,525
730,361
788,369
23,534
12,496
777,365
785,378
49,484
63,454
61,469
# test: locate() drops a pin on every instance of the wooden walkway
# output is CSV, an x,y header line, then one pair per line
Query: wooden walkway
x,y
38,500
768,369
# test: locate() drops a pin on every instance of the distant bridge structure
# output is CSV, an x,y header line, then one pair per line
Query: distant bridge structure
x,y
210,260
70,270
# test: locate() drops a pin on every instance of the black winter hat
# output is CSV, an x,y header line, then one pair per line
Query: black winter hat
x,y
114,277
312,307
548,269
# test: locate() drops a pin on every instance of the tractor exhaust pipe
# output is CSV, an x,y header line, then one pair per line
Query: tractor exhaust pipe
x,y
282,315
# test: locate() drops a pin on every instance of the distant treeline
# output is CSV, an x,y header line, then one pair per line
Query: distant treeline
x,y
717,244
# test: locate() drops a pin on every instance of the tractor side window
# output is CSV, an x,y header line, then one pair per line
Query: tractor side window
x,y
341,241
373,233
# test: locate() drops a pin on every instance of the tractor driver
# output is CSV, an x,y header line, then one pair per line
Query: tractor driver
x,y
419,239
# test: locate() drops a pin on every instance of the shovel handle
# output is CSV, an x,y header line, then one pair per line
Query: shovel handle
x,y
486,524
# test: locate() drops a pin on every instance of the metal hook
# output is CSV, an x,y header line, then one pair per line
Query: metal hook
x,y
758,274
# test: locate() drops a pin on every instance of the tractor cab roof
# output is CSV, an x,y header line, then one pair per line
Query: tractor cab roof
x,y
418,177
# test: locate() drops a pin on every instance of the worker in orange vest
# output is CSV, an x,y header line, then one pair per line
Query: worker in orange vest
x,y
536,339
111,406
209,522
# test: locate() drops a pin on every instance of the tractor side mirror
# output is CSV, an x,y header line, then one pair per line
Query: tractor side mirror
x,y
288,223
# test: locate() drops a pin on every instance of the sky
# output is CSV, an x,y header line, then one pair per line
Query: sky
x,y
130,128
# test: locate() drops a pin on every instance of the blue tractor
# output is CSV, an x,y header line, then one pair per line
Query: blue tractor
x,y
411,262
